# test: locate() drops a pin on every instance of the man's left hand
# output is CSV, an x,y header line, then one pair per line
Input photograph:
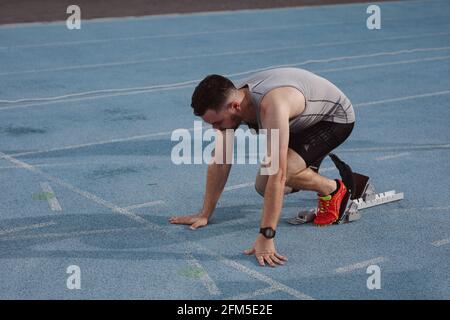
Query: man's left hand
x,y
264,250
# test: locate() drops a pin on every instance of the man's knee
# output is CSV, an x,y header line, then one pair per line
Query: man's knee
x,y
261,183
295,165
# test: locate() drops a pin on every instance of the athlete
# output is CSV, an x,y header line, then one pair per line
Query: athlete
x,y
312,117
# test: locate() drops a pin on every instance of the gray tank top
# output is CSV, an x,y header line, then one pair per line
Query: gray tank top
x,y
324,101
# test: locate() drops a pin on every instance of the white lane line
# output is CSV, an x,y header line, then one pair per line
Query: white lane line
x,y
127,213
71,147
259,292
185,34
63,164
343,58
72,234
350,150
52,201
384,64
100,93
138,18
416,96
275,284
131,91
169,35
85,145
440,243
100,96
30,227
72,188
206,280
393,156
174,86
219,54
360,265
422,209
97,143
146,18
144,205
409,148
239,186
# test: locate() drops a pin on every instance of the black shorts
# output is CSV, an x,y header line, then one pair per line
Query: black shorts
x,y
314,143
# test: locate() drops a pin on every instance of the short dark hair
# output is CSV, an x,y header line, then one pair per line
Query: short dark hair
x,y
211,93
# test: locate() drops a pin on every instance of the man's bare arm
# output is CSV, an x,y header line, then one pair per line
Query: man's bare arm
x,y
216,178
275,118
275,115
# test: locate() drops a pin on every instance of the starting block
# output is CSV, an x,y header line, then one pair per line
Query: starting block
x,y
362,196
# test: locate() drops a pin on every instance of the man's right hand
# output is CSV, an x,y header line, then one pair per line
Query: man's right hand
x,y
196,220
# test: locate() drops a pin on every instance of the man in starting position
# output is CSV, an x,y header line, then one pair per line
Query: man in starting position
x,y
312,117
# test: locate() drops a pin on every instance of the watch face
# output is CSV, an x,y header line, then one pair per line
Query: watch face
x,y
269,232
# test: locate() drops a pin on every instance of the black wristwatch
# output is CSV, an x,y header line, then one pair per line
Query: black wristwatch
x,y
268,233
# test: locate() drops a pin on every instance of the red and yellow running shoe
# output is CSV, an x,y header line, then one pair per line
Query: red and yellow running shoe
x,y
330,207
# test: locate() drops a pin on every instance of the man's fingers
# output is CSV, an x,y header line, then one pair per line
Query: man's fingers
x,y
174,219
281,257
197,224
185,220
276,260
194,226
261,261
269,261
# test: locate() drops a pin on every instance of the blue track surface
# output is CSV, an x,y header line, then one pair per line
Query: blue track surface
x,y
90,113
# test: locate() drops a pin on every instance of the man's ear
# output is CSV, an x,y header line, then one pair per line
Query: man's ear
x,y
234,106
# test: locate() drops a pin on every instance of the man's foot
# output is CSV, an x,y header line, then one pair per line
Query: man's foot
x,y
329,207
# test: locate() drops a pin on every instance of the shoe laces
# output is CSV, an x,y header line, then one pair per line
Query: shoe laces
x,y
324,203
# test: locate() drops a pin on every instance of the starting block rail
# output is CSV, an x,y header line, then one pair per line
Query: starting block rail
x,y
377,199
